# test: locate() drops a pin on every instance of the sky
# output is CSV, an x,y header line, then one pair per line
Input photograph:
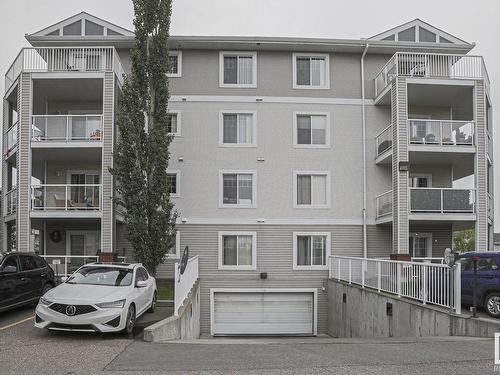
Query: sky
x,y
473,21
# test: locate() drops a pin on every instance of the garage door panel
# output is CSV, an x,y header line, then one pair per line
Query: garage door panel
x,y
263,313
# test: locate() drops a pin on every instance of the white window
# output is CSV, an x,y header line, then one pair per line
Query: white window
x,y
311,130
174,64
238,69
311,250
311,189
174,123
238,250
237,189
175,252
420,245
237,129
311,71
174,183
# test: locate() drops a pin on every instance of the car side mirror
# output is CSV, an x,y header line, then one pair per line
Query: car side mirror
x,y
9,269
141,284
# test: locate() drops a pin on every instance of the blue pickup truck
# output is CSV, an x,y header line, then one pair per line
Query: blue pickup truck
x,y
488,280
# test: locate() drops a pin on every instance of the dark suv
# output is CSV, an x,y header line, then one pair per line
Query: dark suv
x,y
488,280
24,278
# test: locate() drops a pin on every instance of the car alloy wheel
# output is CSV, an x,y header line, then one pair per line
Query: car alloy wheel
x,y
493,304
152,308
130,323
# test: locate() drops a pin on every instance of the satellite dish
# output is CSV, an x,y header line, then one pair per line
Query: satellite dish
x,y
449,257
184,260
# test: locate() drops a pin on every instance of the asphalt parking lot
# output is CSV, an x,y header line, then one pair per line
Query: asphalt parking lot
x,y
26,350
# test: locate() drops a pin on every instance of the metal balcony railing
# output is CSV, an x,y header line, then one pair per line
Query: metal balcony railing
x,y
384,140
10,140
442,200
429,65
384,204
11,202
66,197
66,128
489,145
441,132
491,206
64,59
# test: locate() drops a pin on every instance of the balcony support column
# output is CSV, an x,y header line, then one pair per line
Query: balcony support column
x,y
400,166
3,229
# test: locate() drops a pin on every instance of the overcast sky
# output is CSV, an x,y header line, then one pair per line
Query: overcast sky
x,y
473,21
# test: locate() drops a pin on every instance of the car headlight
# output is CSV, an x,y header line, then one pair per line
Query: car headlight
x,y
112,305
44,301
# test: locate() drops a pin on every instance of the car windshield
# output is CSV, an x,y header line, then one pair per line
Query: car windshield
x,y
107,276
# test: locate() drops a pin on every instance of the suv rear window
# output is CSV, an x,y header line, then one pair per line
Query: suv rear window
x,y
27,262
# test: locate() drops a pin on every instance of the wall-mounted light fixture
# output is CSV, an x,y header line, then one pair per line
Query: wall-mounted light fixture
x,y
404,166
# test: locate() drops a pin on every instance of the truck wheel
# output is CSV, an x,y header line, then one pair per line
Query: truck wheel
x,y
492,304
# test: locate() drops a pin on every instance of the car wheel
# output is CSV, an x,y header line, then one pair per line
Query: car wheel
x,y
152,308
492,304
130,322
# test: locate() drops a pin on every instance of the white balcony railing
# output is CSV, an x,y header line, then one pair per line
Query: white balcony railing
x,y
10,141
441,132
184,282
442,200
10,202
428,65
429,283
384,204
384,140
491,207
65,265
66,128
66,197
489,145
64,59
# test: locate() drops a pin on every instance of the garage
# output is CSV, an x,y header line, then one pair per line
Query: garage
x,y
263,311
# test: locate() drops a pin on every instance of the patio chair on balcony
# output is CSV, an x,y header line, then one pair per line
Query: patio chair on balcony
x,y
60,201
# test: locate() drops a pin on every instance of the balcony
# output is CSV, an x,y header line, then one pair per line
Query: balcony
x,y
442,200
76,199
384,205
490,206
64,59
384,141
10,202
50,129
427,65
447,133
10,140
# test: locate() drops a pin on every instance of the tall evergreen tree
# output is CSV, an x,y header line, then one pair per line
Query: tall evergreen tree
x,y
142,148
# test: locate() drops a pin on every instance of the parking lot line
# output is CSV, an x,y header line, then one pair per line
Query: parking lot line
x,y
16,323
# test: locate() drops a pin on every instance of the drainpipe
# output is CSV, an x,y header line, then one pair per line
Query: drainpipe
x,y
363,121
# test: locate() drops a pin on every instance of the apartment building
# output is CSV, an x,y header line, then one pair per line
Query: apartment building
x,y
285,151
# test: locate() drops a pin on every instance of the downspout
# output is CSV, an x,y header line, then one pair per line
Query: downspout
x,y
363,121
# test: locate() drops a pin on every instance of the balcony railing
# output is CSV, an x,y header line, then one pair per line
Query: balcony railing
x,y
66,197
66,128
430,65
384,204
64,59
441,132
384,140
11,202
442,200
491,206
489,145
10,139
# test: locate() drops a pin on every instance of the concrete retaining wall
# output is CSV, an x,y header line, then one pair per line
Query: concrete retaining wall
x,y
185,326
357,312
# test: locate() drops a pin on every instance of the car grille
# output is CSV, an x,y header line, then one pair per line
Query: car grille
x,y
80,309
73,327
114,322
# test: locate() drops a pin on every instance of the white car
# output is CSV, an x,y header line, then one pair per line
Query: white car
x,y
98,297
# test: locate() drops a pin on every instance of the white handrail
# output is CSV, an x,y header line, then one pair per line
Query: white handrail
x,y
384,136
441,132
61,127
384,208
66,196
185,282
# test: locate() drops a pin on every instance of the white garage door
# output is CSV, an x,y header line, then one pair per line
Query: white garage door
x,y
263,313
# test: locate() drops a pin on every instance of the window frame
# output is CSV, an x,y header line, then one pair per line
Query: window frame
x,y
328,250
177,173
179,121
253,54
177,253
236,112
326,56
179,64
327,130
222,172
251,267
326,173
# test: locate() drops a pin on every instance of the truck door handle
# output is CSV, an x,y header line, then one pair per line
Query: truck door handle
x,y
23,278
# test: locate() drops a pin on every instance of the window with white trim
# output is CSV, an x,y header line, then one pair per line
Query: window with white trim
x,y
175,252
238,69
311,250
311,189
174,184
237,129
237,189
238,250
174,64
311,71
311,130
174,123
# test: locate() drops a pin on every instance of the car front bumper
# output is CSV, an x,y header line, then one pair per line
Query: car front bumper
x,y
101,320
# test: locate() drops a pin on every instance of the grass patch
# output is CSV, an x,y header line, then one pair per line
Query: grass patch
x,y
165,289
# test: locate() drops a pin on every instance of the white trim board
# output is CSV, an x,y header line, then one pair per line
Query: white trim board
x,y
269,99
264,221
